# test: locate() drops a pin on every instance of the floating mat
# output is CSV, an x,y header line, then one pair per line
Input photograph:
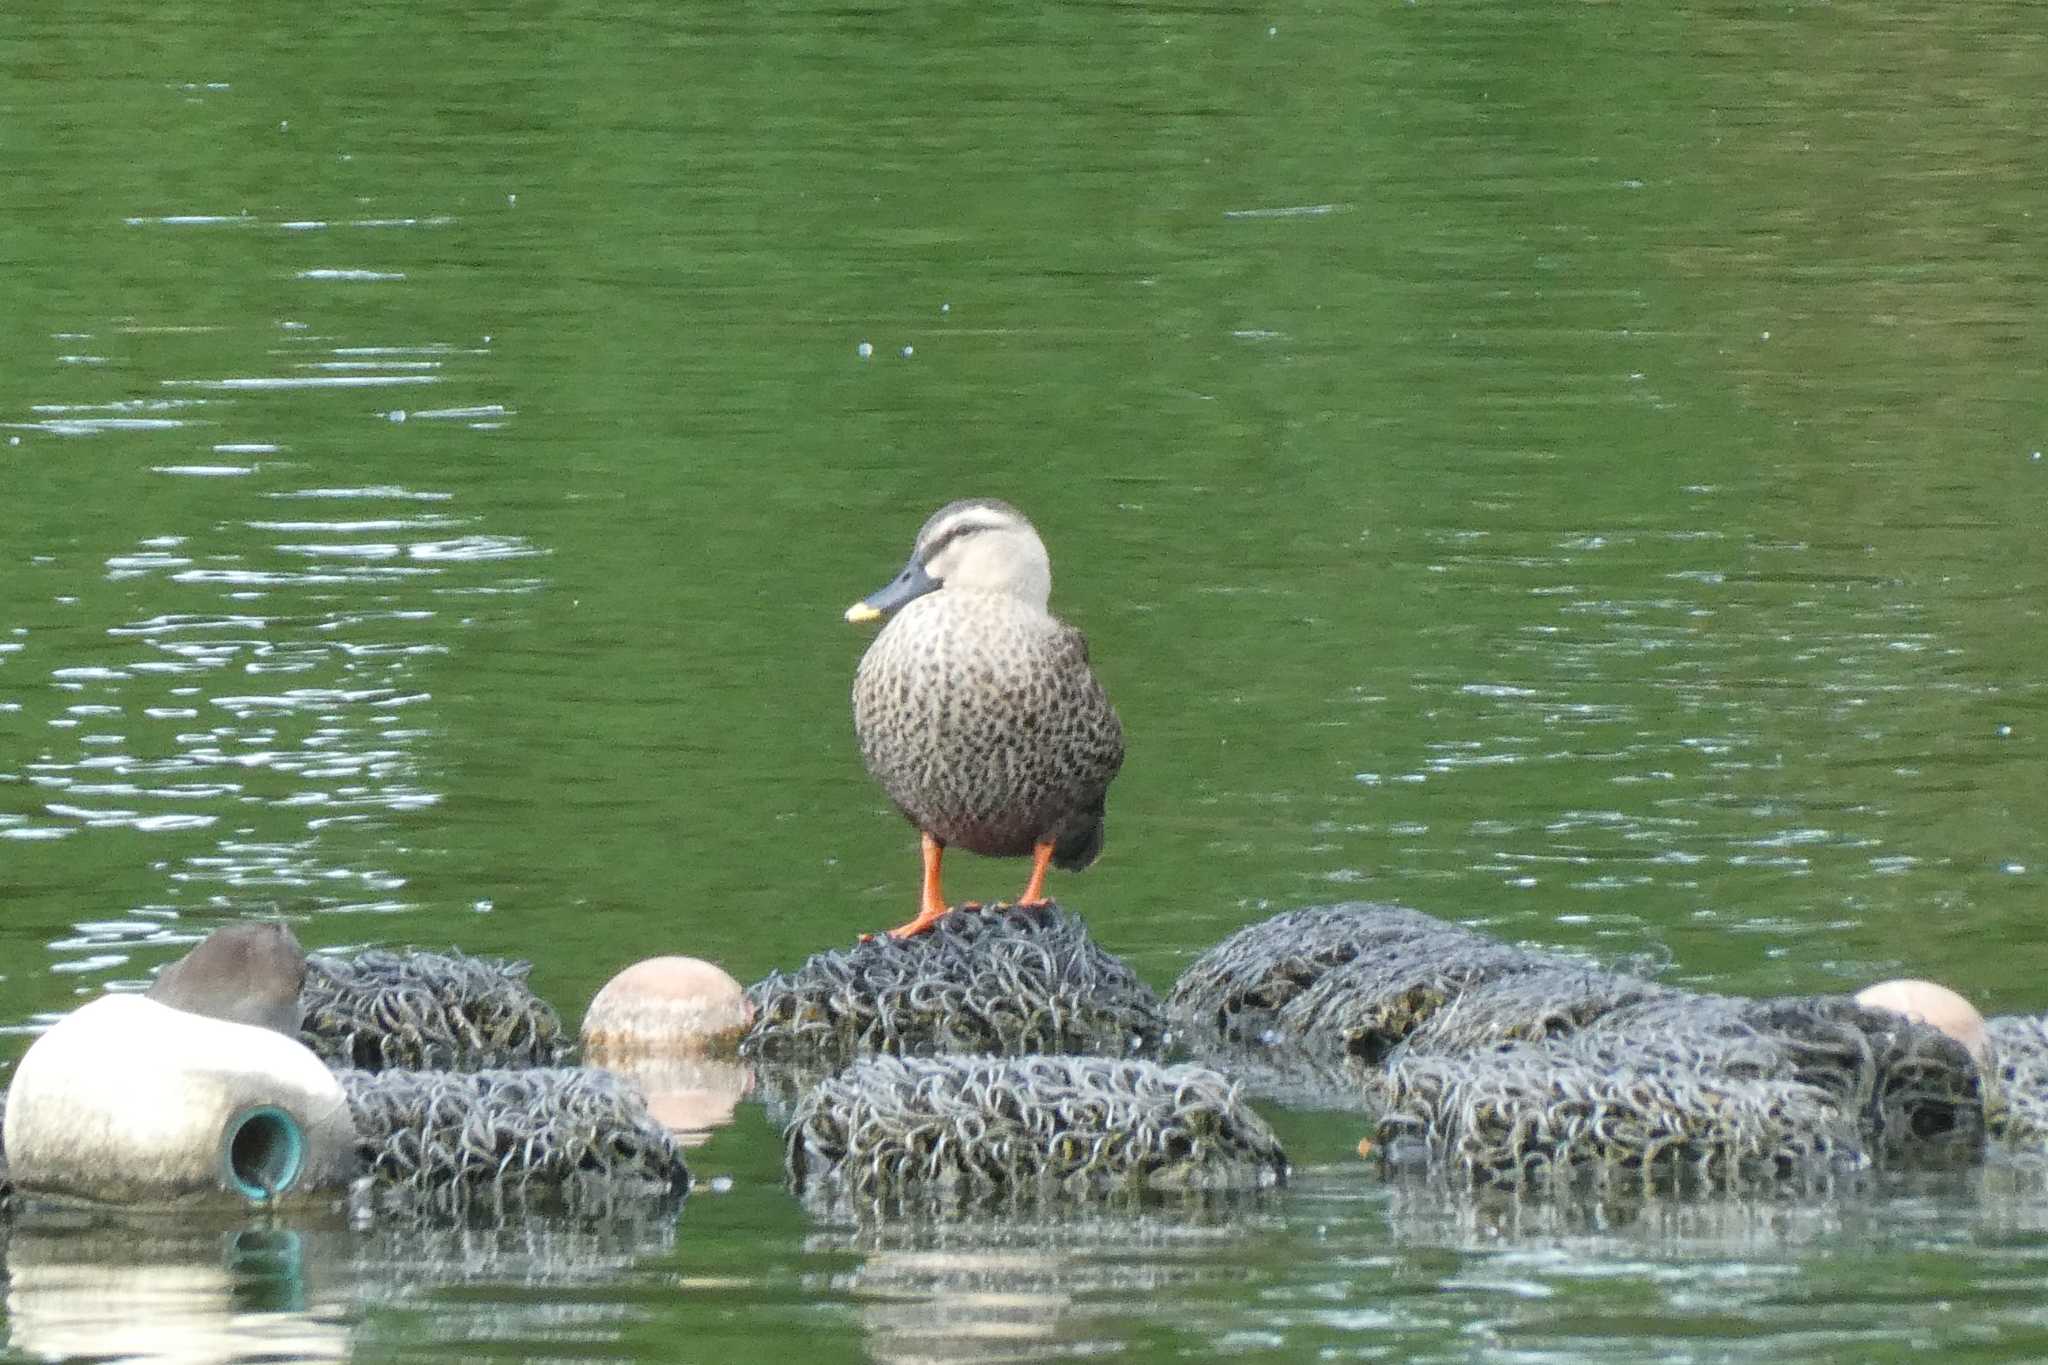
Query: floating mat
x,y
1002,981
1528,1114
1495,1064
1689,1092
1344,980
990,1126
1914,1093
421,1011
568,1138
2020,1044
1533,1002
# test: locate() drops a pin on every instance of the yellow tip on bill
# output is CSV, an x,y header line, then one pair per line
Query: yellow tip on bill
x,y
861,611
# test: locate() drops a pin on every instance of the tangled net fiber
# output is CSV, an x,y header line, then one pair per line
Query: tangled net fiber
x,y
1498,1065
976,1127
2020,1042
1004,981
1356,980
567,1138
1525,1114
1914,1093
1688,1092
421,1011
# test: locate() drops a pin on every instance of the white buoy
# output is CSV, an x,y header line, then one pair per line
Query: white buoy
x,y
128,1101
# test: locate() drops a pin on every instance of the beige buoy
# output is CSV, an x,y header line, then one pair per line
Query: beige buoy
x,y
666,1024
1936,1006
666,1007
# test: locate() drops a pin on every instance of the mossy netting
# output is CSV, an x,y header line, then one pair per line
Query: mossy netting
x,y
1239,988
1692,1089
1495,1064
981,1127
2020,1045
420,1011
1526,1114
1915,1093
1349,980
1004,981
1533,1003
568,1138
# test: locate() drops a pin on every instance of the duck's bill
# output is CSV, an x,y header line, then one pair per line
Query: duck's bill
x,y
912,583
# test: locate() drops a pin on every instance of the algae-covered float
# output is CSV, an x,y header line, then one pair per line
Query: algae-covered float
x,y
1492,1064
1007,981
170,1098
999,1053
1004,1054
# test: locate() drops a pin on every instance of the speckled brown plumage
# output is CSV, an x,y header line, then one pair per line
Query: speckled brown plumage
x,y
979,715
981,719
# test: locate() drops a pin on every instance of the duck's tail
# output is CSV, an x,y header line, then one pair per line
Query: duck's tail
x,y
1080,842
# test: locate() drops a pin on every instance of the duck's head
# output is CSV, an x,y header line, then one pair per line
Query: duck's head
x,y
974,545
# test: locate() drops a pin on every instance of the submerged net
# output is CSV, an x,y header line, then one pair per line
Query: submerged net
x,y
1525,1114
1356,980
1689,1091
1532,1004
569,1138
2020,1043
1004,981
976,1127
427,1012
1914,1093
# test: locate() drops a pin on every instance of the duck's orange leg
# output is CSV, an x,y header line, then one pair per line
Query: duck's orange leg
x,y
1034,890
931,901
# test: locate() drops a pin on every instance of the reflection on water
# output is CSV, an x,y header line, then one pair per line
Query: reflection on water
x,y
1335,1267
197,1287
1033,1285
693,1097
179,1295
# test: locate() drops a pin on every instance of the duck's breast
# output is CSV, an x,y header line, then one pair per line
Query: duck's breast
x,y
983,722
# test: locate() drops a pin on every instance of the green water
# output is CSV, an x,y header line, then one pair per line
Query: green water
x,y
1575,468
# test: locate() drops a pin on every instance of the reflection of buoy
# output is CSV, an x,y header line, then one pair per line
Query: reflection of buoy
x,y
192,1287
1936,1006
689,1096
130,1101
666,1007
